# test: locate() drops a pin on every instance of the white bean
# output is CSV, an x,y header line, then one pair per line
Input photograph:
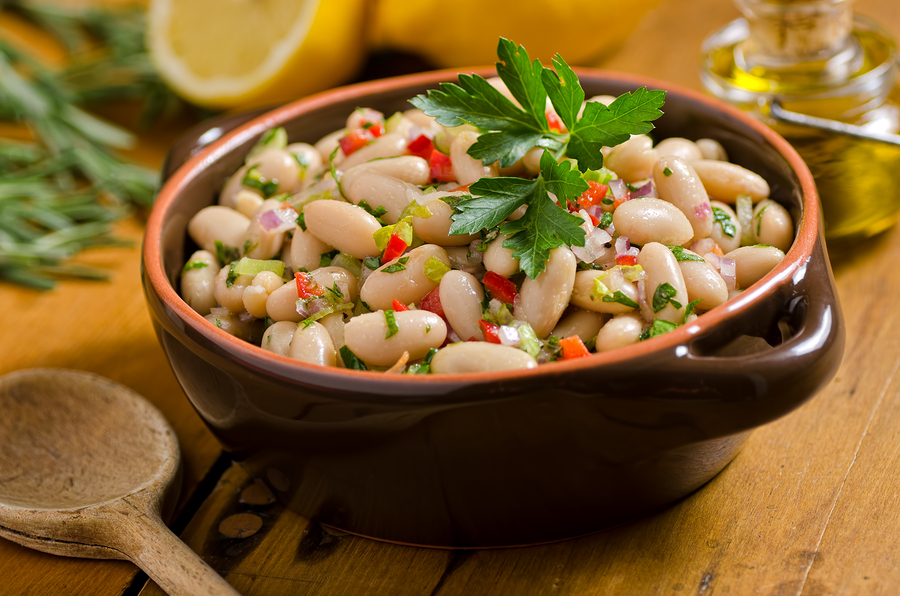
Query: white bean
x,y
417,331
389,144
542,300
198,281
583,323
328,277
461,298
306,250
217,223
390,183
407,286
436,228
281,305
257,293
678,183
231,297
246,202
312,343
327,144
726,181
712,149
466,168
583,291
652,220
260,243
346,227
633,160
661,268
679,147
232,325
277,337
480,357
724,218
499,259
752,263
772,225
703,282
308,159
334,324
618,332
276,165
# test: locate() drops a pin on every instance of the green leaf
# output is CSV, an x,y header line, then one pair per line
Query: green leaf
x,y
564,90
599,125
562,180
497,199
391,323
621,298
659,327
665,293
523,79
351,361
400,265
721,217
682,255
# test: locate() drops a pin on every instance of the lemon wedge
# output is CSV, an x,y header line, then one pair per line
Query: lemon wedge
x,y
247,53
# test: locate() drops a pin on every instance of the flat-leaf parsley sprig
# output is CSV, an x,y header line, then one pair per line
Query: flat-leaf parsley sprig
x,y
510,131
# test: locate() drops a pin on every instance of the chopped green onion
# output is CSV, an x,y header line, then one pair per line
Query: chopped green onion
x,y
248,266
391,323
274,138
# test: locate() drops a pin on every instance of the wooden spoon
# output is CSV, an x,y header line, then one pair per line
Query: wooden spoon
x,y
85,465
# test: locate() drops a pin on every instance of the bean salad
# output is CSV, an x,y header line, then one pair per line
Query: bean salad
x,y
349,252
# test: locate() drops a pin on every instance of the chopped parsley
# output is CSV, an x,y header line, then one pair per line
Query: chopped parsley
x,y
226,254
721,217
391,323
509,132
301,221
335,292
350,359
681,255
667,172
605,220
193,265
326,257
621,298
375,212
253,179
665,293
658,327
689,309
372,263
400,265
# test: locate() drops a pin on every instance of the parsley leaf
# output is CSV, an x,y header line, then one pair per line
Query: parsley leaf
x,y
721,217
391,324
564,90
682,255
400,265
621,298
658,327
351,360
665,293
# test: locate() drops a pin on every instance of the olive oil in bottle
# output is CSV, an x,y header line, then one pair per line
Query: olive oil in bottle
x,y
816,58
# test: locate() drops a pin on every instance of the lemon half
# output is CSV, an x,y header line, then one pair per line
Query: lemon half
x,y
247,53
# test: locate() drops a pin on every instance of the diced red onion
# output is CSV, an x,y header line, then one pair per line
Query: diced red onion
x,y
452,337
703,210
646,311
727,269
245,317
301,308
475,256
595,211
713,259
509,336
618,188
632,252
317,305
647,190
622,245
277,220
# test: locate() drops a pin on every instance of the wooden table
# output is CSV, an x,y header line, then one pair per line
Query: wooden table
x,y
810,506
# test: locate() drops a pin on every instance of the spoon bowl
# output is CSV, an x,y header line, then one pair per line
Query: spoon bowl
x,y
88,468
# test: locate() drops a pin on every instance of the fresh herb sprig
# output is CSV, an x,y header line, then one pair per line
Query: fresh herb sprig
x,y
509,131
60,193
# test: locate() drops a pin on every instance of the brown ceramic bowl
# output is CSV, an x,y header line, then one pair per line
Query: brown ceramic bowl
x,y
514,457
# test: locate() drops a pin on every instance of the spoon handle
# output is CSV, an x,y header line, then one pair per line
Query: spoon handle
x,y
171,563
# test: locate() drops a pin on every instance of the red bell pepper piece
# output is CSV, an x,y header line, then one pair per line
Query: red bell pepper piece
x,y
555,122
573,347
306,286
441,168
626,260
376,129
394,249
399,306
594,195
500,288
355,139
421,146
490,330
432,302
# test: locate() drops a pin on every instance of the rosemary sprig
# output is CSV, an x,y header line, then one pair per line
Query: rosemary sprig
x,y
60,194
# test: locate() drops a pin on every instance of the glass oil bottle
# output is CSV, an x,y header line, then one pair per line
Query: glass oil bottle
x,y
815,57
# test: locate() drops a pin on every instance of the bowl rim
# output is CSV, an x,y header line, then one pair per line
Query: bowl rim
x,y
806,235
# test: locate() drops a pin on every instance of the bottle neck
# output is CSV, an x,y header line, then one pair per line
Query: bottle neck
x,y
796,36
